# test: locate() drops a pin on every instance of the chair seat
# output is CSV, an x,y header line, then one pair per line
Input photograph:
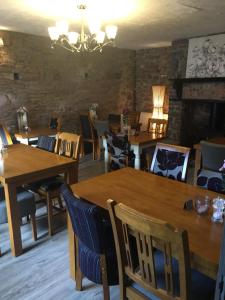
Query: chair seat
x,y
210,180
202,287
48,184
26,203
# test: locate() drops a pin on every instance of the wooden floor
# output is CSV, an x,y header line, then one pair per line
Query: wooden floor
x,y
43,271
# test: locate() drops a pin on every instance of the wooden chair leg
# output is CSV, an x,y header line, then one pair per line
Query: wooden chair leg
x,y
50,215
60,202
94,149
34,226
78,274
105,284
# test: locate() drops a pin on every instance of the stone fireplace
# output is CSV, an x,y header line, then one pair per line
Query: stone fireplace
x,y
197,109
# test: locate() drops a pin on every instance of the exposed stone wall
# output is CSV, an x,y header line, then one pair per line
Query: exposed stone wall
x,y
47,81
153,67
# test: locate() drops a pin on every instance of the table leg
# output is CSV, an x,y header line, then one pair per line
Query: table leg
x,y
106,154
137,152
13,219
72,177
198,156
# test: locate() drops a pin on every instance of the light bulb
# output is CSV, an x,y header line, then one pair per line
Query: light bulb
x,y
73,37
111,31
53,33
100,36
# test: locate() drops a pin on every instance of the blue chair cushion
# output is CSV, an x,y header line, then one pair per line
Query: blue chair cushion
x,y
202,287
211,180
46,143
90,265
26,203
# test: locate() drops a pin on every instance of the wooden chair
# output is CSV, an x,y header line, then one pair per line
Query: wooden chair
x,y
95,246
5,136
158,126
153,259
143,120
133,120
209,176
170,161
88,132
69,145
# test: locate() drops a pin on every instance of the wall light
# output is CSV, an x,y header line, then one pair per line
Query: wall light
x,y
1,42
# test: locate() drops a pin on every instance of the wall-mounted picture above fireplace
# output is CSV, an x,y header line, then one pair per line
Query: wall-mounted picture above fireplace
x,y
206,57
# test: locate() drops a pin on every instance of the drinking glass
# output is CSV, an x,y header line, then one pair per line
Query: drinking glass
x,y
202,204
218,210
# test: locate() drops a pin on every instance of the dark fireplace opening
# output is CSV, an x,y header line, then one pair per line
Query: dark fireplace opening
x,y
202,120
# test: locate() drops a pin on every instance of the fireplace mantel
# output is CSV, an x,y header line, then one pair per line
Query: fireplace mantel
x,y
178,83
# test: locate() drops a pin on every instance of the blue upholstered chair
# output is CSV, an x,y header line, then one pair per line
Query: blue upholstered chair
x,y
5,136
27,207
118,148
170,161
148,268
96,258
46,143
209,177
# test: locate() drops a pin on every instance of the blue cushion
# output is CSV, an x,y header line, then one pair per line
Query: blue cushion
x,y
26,203
202,287
46,143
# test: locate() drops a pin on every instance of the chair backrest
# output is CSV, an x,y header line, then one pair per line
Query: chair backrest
x,y
116,145
55,122
114,122
5,136
170,161
159,126
213,155
87,128
143,120
68,144
101,127
133,230
133,119
87,219
46,143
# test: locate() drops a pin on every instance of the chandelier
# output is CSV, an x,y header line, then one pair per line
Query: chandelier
x,y
82,42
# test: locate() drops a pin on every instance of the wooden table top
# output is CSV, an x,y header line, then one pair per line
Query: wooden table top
x,y
161,198
217,140
144,138
22,160
35,132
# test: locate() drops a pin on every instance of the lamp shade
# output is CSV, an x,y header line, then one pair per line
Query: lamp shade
x,y
100,36
73,37
158,100
53,33
111,31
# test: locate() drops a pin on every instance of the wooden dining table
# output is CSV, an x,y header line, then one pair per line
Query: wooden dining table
x,y
28,137
137,142
198,154
22,164
161,198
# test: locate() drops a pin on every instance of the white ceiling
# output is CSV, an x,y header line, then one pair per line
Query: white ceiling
x,y
141,23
